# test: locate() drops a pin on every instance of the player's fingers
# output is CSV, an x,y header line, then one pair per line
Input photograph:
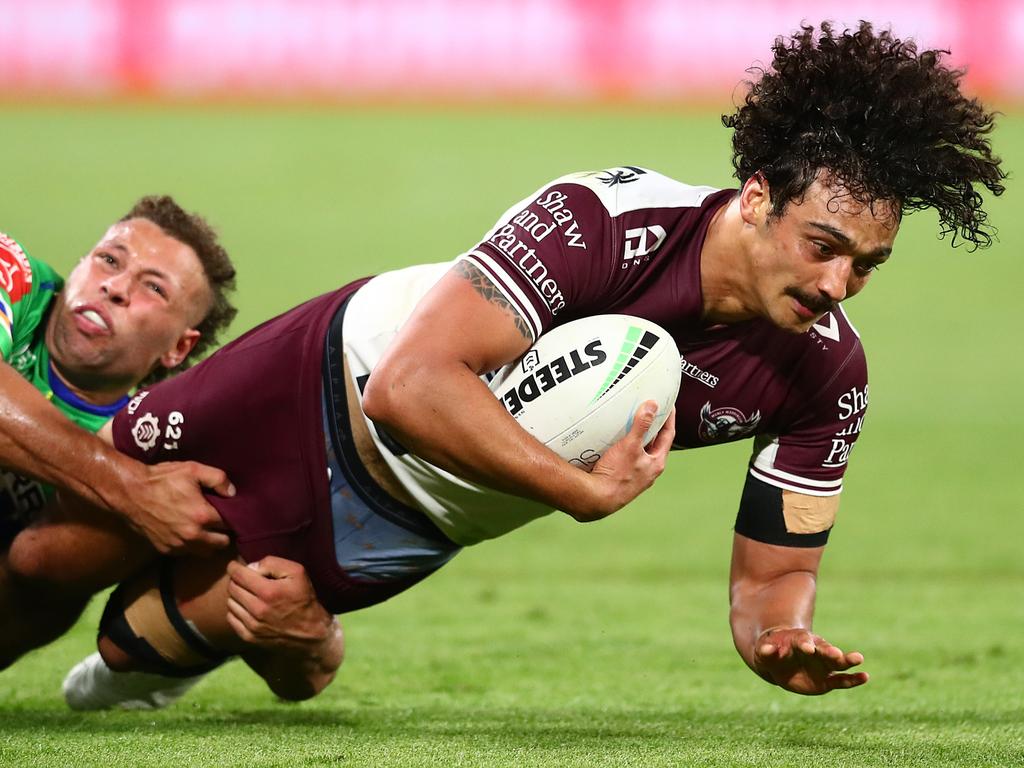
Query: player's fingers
x,y
277,567
846,661
240,629
214,479
643,420
803,642
767,651
853,658
212,539
208,518
827,651
838,681
662,442
248,612
248,595
241,621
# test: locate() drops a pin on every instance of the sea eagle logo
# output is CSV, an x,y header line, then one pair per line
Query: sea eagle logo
x,y
724,424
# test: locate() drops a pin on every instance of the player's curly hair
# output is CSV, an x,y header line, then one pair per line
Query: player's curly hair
x,y
886,121
194,231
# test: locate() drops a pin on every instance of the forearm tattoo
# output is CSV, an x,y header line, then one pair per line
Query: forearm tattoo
x,y
483,285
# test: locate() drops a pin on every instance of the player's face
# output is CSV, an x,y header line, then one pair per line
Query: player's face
x,y
819,252
131,304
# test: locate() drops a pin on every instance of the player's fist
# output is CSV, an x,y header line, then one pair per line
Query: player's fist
x,y
629,467
165,503
272,604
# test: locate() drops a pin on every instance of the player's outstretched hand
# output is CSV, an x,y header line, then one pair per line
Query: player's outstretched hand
x,y
629,467
272,604
167,506
802,662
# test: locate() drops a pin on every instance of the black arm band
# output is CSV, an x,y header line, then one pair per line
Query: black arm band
x,y
761,518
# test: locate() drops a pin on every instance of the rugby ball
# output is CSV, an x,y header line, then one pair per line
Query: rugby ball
x,y
578,388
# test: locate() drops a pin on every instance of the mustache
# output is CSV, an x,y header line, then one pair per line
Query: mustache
x,y
818,304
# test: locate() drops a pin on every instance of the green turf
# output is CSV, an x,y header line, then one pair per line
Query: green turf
x,y
562,644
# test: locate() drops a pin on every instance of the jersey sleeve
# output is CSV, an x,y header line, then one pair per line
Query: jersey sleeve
x,y
545,252
26,289
563,252
150,428
810,457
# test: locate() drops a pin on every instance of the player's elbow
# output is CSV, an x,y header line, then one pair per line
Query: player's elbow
x,y
375,396
386,391
300,688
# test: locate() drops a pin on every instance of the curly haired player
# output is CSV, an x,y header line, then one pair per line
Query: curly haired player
x,y
843,134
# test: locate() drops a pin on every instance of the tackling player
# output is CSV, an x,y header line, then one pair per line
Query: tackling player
x,y
84,348
149,295
841,136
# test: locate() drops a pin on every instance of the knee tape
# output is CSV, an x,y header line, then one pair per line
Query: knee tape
x,y
142,618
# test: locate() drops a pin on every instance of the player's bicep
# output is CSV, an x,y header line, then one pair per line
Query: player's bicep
x,y
106,432
463,319
773,515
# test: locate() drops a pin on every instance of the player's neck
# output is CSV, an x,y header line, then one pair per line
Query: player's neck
x,y
93,390
724,268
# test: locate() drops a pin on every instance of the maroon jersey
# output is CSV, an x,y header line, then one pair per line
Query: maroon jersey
x,y
628,240
254,409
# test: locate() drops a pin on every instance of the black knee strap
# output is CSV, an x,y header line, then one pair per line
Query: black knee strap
x,y
114,625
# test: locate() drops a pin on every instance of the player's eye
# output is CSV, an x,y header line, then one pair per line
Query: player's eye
x,y
156,288
107,258
824,248
865,268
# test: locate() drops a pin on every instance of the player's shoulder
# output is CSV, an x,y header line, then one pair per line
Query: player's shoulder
x,y
631,188
833,352
19,272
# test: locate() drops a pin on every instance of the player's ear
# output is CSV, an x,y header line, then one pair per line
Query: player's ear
x,y
176,354
755,200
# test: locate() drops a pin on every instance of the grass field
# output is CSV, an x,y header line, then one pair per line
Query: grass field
x,y
568,645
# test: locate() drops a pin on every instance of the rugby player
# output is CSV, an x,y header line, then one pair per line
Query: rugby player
x,y
372,462
148,296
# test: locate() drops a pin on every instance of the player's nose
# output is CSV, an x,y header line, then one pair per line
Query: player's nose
x,y
117,288
834,280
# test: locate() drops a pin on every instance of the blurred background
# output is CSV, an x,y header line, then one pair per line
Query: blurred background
x,y
551,51
329,139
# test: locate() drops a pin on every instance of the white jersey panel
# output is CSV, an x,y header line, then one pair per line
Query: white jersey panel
x,y
466,512
630,188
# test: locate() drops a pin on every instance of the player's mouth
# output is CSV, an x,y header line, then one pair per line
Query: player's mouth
x,y
92,320
808,307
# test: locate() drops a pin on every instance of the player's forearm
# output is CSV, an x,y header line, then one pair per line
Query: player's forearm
x,y
296,675
756,607
448,417
38,440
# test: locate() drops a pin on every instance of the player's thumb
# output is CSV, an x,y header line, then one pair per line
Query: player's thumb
x,y
273,567
644,419
214,479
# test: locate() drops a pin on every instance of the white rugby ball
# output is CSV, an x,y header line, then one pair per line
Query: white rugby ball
x,y
577,390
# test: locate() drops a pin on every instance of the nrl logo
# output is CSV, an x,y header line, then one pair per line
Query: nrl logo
x,y
530,361
725,423
146,431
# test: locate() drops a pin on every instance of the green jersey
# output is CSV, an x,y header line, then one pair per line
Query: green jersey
x,y
27,291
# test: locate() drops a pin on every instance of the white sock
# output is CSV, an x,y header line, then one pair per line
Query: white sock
x,y
91,685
